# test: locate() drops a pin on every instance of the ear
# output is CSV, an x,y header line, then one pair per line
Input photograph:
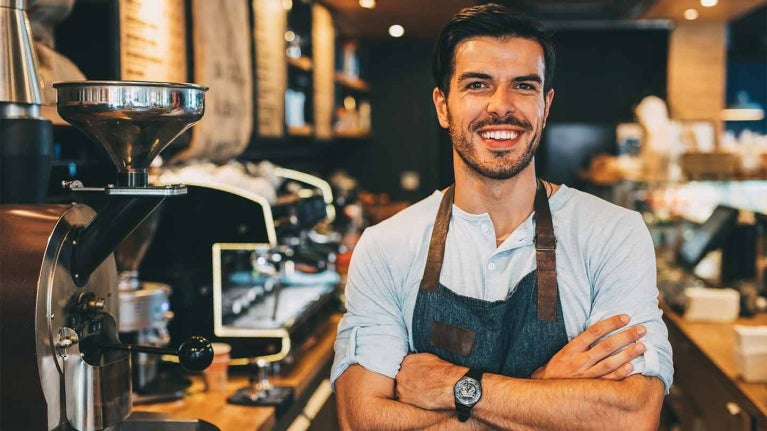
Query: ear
x,y
440,104
549,98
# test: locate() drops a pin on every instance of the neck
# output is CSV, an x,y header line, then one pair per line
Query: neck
x,y
508,202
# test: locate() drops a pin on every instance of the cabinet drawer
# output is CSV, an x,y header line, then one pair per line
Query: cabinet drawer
x,y
715,405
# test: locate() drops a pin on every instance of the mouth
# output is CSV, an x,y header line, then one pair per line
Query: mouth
x,y
500,139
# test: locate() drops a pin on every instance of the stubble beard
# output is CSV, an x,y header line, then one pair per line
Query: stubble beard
x,y
502,166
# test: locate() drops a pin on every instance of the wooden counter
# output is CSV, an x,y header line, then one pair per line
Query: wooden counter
x,y
708,393
312,367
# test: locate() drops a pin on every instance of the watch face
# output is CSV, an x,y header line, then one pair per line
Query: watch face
x,y
468,391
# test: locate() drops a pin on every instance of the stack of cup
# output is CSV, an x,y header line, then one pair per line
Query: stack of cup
x,y
216,376
751,352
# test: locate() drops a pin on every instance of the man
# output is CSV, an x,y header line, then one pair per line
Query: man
x,y
464,311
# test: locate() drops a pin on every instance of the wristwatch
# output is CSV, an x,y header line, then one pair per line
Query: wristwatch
x,y
467,391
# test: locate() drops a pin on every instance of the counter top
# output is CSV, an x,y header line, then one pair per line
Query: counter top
x,y
312,361
715,343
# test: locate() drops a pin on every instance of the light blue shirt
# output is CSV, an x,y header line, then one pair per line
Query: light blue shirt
x,y
605,266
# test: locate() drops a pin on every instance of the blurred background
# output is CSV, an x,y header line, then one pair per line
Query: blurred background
x,y
318,123
697,59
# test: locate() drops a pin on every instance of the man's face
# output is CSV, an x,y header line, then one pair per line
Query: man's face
x,y
496,108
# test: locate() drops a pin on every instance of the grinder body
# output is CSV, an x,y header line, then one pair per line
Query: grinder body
x,y
45,384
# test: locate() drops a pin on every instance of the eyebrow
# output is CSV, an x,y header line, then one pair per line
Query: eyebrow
x,y
479,75
531,77
473,75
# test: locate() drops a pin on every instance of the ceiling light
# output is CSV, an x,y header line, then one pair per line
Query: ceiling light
x,y
370,4
708,3
350,104
396,30
690,14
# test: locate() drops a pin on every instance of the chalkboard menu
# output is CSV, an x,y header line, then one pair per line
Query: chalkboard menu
x,y
153,40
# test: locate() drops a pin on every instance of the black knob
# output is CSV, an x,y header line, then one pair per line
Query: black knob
x,y
195,354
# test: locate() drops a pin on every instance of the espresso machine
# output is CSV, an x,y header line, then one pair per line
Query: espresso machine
x,y
64,366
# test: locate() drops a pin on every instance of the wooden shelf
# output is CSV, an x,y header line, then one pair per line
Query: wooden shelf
x,y
303,63
353,134
306,130
352,82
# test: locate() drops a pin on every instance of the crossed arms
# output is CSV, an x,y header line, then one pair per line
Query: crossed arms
x,y
586,385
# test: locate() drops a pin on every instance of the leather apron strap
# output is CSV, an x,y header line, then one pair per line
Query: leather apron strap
x,y
545,248
545,257
436,254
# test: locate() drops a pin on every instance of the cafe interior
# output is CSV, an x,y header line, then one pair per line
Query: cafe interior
x,y
183,182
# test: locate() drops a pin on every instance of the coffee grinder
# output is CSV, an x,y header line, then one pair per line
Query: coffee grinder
x,y
60,299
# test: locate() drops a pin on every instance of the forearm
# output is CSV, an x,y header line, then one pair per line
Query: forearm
x,y
365,401
391,415
560,404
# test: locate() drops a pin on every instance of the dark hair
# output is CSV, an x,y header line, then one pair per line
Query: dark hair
x,y
488,20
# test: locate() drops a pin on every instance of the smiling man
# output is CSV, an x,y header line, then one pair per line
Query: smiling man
x,y
504,301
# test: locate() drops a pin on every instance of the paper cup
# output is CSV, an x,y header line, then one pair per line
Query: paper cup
x,y
216,376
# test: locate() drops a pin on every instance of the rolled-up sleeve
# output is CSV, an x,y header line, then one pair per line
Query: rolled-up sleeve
x,y
626,283
372,333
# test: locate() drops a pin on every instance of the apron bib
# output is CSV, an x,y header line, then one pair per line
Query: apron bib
x,y
512,337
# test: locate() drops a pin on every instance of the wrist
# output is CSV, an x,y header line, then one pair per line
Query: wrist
x,y
467,393
447,398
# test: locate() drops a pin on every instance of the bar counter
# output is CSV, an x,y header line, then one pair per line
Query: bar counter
x,y
307,377
708,392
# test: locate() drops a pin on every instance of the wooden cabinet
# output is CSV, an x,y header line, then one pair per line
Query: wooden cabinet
x,y
708,394
319,412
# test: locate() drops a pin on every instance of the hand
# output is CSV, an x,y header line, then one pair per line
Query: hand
x,y
582,358
426,381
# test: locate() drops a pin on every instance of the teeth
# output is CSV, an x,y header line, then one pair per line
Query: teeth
x,y
499,135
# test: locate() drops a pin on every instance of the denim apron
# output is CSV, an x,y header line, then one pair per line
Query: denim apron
x,y
512,337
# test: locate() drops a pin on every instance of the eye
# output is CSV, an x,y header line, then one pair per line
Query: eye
x,y
527,86
476,85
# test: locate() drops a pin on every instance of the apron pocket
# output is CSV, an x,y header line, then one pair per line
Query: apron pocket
x,y
454,339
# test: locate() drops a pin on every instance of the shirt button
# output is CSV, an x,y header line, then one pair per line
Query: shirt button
x,y
483,227
491,266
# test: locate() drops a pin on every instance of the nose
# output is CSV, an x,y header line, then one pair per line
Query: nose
x,y
501,102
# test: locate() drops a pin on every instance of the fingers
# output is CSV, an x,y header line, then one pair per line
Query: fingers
x,y
596,331
618,366
621,373
616,342
594,354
